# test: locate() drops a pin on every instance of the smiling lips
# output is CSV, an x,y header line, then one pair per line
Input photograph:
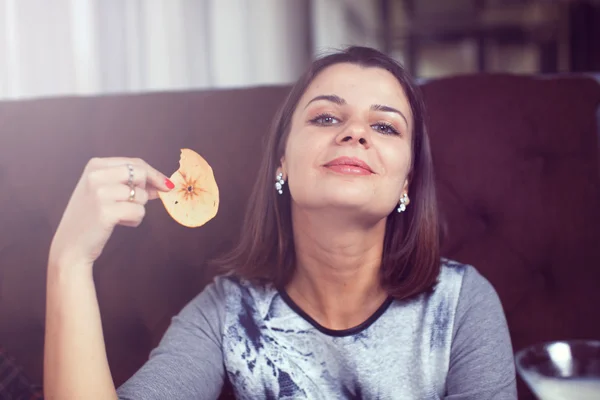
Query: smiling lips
x,y
349,166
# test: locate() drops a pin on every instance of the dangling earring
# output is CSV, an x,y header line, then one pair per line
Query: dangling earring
x,y
279,183
403,203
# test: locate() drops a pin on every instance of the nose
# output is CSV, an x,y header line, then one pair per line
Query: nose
x,y
355,133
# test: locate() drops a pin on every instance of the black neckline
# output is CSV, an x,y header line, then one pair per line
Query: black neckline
x,y
336,332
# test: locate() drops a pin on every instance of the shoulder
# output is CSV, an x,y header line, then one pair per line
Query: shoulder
x,y
477,302
232,285
481,350
229,285
472,296
450,279
464,277
473,285
235,294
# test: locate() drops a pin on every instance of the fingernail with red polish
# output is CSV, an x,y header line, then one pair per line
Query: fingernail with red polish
x,y
169,184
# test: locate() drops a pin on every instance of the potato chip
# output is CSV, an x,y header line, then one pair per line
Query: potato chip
x,y
195,199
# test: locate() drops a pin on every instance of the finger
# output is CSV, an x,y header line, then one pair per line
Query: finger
x,y
105,162
124,193
127,213
158,180
154,177
117,174
152,193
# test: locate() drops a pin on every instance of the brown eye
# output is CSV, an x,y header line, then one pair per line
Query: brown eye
x,y
324,120
385,128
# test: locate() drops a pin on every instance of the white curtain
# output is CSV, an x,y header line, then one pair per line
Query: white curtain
x,y
87,47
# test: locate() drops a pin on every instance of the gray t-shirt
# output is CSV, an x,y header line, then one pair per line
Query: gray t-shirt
x,y
452,343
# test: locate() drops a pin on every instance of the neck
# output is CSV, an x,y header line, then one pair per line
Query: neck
x,y
336,280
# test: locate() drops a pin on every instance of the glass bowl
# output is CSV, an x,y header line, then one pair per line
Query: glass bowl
x,y
565,370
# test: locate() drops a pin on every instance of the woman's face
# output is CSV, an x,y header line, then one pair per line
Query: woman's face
x,y
350,142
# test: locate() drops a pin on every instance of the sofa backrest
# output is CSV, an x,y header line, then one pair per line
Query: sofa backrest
x,y
517,168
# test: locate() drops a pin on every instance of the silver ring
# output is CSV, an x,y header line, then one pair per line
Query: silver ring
x,y
130,179
132,194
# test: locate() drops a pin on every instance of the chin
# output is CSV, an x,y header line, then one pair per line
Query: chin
x,y
347,197
346,205
343,194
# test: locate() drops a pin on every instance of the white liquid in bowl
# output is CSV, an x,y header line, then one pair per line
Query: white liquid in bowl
x,y
566,389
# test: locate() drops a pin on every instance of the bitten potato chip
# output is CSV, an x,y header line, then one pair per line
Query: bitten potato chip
x,y
195,199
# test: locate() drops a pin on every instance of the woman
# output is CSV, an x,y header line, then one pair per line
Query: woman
x,y
337,289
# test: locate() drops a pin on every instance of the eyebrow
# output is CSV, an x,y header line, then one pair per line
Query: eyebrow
x,y
340,102
328,97
379,107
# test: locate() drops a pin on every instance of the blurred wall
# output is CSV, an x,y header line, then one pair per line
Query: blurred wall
x,y
528,36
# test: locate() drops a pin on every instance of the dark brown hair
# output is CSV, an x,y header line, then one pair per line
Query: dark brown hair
x,y
410,261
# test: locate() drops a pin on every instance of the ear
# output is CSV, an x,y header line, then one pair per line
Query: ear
x,y
282,167
406,185
405,188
